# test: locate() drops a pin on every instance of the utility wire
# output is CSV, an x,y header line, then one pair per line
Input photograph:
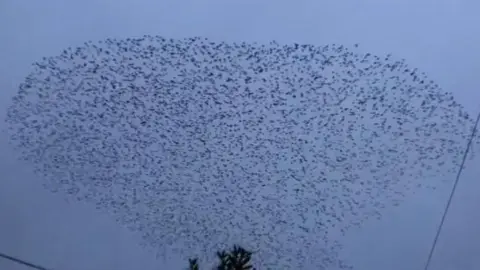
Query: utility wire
x,y
10,258
447,207
432,250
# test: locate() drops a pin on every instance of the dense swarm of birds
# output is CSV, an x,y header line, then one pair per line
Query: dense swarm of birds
x,y
198,144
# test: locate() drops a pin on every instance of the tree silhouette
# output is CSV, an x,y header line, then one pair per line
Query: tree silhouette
x,y
236,259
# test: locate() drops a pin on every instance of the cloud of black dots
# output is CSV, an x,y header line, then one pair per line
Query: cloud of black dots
x,y
199,145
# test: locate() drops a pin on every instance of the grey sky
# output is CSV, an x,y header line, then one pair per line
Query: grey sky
x,y
440,38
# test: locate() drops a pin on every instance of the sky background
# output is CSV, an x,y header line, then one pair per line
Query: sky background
x,y
438,37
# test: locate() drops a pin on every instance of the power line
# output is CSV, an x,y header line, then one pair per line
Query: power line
x,y
434,244
35,266
447,207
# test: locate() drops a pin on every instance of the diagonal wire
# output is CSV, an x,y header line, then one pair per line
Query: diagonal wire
x,y
22,262
457,179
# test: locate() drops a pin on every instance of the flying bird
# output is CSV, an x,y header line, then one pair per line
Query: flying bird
x,y
196,143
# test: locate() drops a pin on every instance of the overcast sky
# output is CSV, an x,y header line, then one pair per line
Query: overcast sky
x,y
439,37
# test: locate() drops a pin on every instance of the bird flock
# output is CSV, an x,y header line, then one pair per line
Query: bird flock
x,y
199,144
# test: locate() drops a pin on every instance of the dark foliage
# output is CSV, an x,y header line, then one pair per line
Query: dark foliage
x,y
236,259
